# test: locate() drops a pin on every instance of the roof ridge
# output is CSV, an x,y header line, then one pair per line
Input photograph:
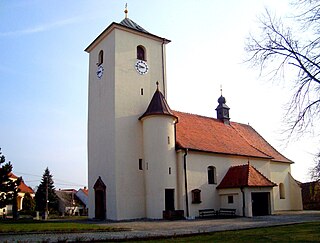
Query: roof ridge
x,y
193,114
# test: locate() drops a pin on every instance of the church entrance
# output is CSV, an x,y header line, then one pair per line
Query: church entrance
x,y
260,203
100,199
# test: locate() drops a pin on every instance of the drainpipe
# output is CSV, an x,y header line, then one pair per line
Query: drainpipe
x,y
163,72
243,203
185,180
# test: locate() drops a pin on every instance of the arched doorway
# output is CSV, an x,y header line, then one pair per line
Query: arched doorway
x,y
100,199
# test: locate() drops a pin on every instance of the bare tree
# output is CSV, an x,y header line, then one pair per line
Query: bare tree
x,y
315,171
294,53
290,51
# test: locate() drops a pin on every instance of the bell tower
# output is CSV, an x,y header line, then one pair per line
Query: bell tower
x,y
125,61
223,110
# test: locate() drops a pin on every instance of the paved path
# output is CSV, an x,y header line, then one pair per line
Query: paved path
x,y
142,229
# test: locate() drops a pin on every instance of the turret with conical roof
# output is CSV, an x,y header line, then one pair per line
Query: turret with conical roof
x,y
158,124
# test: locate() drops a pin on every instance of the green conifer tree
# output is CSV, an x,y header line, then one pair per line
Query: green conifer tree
x,y
8,187
46,186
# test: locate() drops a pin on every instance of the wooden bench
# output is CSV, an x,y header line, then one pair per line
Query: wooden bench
x,y
207,213
226,212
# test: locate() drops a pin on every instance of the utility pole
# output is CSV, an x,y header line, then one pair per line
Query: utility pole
x,y
47,199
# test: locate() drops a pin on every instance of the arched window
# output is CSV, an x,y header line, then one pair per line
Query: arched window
x,y
141,53
100,57
282,191
212,176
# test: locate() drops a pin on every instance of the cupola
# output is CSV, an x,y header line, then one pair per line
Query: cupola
x,y
223,110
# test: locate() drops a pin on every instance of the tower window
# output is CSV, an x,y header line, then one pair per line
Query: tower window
x,y
100,58
212,177
141,53
196,196
141,91
169,170
282,191
140,164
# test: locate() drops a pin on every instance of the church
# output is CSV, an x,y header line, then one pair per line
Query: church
x,y
148,161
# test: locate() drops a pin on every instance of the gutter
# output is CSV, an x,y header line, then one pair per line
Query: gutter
x,y
243,203
186,180
163,73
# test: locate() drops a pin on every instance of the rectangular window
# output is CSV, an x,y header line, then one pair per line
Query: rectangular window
x,y
230,199
196,196
141,91
168,140
169,170
140,164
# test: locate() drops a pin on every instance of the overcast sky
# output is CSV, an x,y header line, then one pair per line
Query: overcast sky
x,y
44,76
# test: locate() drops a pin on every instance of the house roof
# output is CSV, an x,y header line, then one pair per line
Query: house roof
x,y
244,176
68,197
158,106
200,133
85,191
12,176
22,187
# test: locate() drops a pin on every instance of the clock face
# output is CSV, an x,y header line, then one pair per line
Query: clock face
x,y
100,71
141,67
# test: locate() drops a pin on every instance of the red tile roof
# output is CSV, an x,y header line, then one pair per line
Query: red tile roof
x,y
23,187
201,133
244,176
12,176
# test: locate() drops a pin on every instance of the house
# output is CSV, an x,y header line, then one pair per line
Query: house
x,y
311,195
82,194
69,203
145,160
23,189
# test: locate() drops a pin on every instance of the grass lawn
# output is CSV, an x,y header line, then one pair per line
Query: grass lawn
x,y
29,225
305,232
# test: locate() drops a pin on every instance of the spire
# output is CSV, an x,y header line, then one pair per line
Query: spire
x,y
223,110
158,105
126,11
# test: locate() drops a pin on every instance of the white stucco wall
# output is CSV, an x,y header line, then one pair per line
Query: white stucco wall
x,y
160,158
280,174
237,199
101,125
115,142
197,177
295,194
